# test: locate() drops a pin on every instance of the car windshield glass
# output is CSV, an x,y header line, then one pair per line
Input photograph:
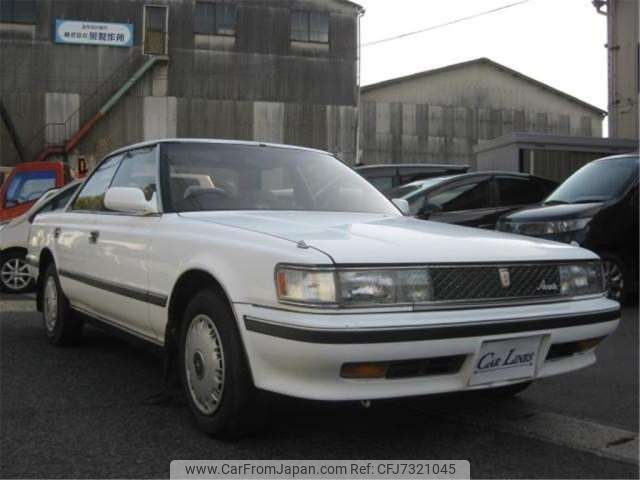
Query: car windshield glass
x,y
29,186
216,176
599,181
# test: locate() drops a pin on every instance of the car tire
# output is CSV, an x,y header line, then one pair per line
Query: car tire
x,y
61,324
214,370
616,277
14,274
508,391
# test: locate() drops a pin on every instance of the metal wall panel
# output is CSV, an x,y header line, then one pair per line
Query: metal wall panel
x,y
224,87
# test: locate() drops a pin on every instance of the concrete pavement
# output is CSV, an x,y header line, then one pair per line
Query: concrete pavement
x,y
100,410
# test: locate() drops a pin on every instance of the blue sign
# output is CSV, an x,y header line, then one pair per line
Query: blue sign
x,y
94,33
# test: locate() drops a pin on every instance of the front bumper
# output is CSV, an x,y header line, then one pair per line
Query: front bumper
x,y
301,354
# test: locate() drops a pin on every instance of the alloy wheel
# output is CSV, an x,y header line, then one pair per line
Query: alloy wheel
x,y
204,364
615,279
50,304
14,274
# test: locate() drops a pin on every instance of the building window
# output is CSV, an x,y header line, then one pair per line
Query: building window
x,y
309,26
18,11
215,18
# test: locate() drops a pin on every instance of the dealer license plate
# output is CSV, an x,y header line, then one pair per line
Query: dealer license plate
x,y
505,360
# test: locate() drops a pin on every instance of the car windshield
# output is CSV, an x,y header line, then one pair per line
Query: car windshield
x,y
599,181
217,176
29,186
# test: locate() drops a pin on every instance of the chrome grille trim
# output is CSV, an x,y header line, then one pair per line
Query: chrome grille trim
x,y
483,283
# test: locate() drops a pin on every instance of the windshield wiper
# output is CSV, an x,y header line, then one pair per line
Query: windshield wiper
x,y
555,202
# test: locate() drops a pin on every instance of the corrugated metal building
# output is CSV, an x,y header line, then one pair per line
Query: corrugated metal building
x,y
551,156
439,116
81,78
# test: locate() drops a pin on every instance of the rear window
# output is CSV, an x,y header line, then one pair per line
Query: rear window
x,y
29,186
522,191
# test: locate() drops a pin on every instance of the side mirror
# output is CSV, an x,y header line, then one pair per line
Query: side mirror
x,y
402,205
129,200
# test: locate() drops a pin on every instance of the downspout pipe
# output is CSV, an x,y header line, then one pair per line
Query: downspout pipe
x,y
11,128
361,13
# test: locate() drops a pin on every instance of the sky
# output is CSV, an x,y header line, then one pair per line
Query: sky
x,y
559,42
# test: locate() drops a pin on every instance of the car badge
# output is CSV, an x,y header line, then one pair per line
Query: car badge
x,y
505,277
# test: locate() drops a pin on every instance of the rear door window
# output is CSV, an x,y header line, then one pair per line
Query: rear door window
x,y
58,202
475,194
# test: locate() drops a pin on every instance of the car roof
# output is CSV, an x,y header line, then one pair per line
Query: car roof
x,y
214,142
493,173
616,157
463,176
425,166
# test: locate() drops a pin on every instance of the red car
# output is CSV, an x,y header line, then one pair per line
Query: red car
x,y
27,183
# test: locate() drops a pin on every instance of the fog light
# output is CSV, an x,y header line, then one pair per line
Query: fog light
x,y
363,370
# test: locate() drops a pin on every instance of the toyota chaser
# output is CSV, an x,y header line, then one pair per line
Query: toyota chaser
x,y
259,267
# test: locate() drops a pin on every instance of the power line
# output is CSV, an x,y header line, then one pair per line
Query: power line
x,y
251,67
442,25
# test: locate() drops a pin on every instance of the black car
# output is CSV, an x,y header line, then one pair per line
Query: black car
x,y
596,208
472,199
386,177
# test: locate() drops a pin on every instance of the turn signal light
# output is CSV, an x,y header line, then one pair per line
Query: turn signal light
x,y
584,345
563,350
363,370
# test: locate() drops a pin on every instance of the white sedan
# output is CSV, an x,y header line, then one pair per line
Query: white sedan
x,y
265,267
14,234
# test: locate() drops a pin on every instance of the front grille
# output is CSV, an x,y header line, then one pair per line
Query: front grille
x,y
483,283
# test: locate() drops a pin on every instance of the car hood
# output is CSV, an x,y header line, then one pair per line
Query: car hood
x,y
351,238
544,213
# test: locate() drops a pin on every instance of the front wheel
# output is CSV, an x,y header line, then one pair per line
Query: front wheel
x,y
214,370
14,274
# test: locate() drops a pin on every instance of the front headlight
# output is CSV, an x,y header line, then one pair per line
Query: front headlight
x,y
353,288
584,279
383,287
536,229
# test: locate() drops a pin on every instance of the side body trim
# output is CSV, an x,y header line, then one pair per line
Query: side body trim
x,y
135,293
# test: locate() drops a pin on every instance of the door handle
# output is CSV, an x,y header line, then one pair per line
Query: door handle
x,y
93,237
56,232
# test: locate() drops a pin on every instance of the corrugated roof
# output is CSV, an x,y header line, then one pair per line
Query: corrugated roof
x,y
353,4
493,64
